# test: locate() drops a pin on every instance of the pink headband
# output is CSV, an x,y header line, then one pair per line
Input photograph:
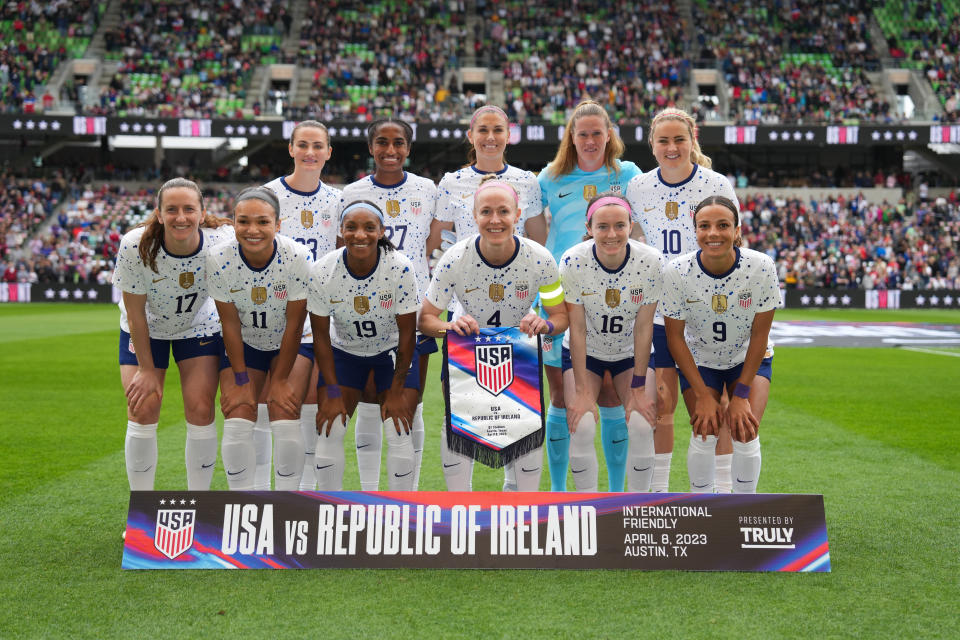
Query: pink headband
x,y
604,201
496,184
485,109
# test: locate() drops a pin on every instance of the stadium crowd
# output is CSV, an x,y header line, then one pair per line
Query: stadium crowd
x,y
381,59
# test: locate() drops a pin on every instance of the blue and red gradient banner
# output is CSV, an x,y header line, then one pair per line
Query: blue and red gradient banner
x,y
480,530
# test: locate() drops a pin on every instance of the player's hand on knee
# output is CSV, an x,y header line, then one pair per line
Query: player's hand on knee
x,y
743,424
143,385
394,406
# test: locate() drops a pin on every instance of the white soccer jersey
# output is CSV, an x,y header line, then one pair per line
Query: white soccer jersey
x,y
408,209
664,211
611,299
311,218
364,309
455,197
260,295
178,303
496,296
719,310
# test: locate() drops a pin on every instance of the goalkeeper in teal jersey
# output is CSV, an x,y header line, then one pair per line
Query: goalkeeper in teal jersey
x,y
587,163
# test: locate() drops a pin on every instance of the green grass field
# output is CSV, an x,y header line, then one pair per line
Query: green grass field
x,y
874,430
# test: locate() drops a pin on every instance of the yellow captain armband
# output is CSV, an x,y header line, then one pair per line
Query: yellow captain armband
x,y
551,294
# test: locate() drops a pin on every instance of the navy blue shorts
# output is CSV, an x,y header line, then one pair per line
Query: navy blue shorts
x,y
661,358
183,349
353,370
253,358
719,379
597,366
426,345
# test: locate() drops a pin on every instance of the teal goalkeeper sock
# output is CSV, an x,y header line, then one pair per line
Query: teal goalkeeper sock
x,y
613,435
558,447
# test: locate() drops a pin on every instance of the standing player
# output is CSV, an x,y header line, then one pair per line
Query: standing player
x,y
494,277
488,135
308,214
259,282
662,203
612,285
408,202
369,290
718,306
161,270
587,163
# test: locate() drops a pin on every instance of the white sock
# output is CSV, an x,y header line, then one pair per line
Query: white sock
x,y
369,443
263,444
201,455
238,453
419,435
400,458
640,455
527,469
308,430
583,454
140,450
746,466
701,463
661,472
329,460
723,480
457,468
510,477
287,454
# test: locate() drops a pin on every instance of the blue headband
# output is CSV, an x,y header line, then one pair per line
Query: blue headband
x,y
366,206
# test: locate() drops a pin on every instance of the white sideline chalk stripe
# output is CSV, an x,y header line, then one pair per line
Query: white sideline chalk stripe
x,y
954,354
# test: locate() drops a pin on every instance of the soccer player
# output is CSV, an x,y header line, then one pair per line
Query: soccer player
x,y
308,214
408,202
494,276
718,306
369,290
259,281
587,163
488,136
161,271
612,285
662,202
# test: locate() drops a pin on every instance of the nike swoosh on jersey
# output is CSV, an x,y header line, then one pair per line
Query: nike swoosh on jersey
x,y
156,280
689,301
564,195
648,209
236,290
588,293
336,301
469,290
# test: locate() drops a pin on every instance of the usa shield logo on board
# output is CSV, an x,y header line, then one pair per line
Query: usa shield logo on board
x,y
494,364
386,300
718,303
496,292
612,298
258,295
636,295
393,208
745,299
174,533
672,210
361,304
589,191
186,279
522,290
306,218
